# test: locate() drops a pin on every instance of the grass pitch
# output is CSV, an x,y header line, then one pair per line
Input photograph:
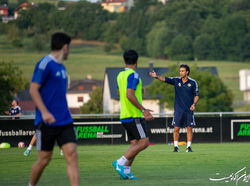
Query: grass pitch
x,y
157,165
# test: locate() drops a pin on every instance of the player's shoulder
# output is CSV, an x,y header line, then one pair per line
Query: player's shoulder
x,y
44,62
192,80
136,75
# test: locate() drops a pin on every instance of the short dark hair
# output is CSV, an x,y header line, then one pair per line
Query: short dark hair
x,y
59,39
130,57
186,67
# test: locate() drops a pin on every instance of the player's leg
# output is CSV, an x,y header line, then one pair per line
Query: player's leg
x,y
70,155
135,149
67,142
29,149
132,144
176,138
44,158
189,138
178,121
190,125
45,140
61,152
137,135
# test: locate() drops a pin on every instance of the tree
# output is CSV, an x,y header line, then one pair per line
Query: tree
x,y
2,2
203,45
11,81
180,48
94,105
214,95
158,38
233,29
21,1
244,48
85,20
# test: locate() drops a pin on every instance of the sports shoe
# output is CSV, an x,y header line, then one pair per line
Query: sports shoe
x,y
120,170
189,149
132,177
27,152
61,153
176,149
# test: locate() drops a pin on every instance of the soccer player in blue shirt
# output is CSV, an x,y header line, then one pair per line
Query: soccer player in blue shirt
x,y
186,98
53,121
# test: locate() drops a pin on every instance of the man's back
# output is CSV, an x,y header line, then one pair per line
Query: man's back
x,y
52,77
129,79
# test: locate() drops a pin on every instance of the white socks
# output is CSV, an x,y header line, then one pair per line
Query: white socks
x,y
176,143
30,147
188,143
122,160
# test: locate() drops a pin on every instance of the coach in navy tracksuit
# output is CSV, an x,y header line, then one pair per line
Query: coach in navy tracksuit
x,y
186,98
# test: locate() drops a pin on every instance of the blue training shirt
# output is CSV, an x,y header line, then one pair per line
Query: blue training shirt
x,y
52,77
133,80
184,93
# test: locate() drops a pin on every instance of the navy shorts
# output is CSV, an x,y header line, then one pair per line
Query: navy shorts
x,y
136,129
46,136
183,119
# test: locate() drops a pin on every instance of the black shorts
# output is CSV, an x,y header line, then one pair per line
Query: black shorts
x,y
183,119
136,129
47,135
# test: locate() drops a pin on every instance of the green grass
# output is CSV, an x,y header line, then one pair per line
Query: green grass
x,y
91,59
157,165
242,108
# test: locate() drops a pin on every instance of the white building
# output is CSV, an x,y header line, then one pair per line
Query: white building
x,y
117,5
78,93
245,83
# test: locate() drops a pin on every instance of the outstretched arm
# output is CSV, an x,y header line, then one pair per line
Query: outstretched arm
x,y
154,75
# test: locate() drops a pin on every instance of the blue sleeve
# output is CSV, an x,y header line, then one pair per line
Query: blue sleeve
x,y
133,80
40,73
170,80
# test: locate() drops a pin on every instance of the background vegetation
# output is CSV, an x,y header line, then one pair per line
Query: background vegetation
x,y
180,30
196,32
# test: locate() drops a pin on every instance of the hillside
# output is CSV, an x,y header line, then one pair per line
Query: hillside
x,y
89,58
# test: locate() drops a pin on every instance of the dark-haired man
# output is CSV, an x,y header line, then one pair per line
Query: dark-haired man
x,y
186,98
132,114
53,121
